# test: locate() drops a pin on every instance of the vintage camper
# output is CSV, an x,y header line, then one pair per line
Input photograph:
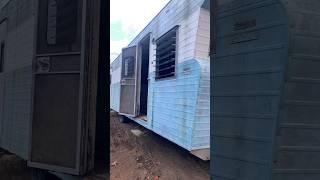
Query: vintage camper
x,y
266,74
161,80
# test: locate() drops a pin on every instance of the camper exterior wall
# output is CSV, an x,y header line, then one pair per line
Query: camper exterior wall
x,y
203,36
16,80
201,129
184,13
115,70
201,124
175,109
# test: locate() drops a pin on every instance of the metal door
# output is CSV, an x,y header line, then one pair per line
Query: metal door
x,y
128,81
64,86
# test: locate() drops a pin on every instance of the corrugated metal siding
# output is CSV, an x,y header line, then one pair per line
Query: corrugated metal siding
x,y
16,79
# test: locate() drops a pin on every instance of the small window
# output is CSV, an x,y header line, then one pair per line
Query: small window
x,y
128,67
62,21
2,47
166,54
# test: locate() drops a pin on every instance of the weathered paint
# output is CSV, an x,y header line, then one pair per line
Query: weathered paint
x,y
201,129
178,107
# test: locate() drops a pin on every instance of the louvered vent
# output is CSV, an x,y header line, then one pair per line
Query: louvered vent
x,y
166,54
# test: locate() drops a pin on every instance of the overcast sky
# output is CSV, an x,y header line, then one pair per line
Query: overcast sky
x,y
128,18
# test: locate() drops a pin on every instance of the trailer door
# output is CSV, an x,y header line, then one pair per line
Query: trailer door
x,y
128,81
64,86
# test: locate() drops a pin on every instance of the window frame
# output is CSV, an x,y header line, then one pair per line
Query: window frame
x,y
176,29
55,31
127,73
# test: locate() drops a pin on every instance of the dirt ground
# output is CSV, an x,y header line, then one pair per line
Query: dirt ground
x,y
149,156
13,168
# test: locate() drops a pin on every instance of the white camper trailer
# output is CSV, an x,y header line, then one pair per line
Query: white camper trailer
x,y
161,80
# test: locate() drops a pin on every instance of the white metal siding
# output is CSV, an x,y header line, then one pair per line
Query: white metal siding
x,y
172,103
177,12
201,124
203,36
184,13
187,37
115,71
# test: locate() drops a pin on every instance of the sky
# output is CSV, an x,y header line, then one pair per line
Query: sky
x,y
127,20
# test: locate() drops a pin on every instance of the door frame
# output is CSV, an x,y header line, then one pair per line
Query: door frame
x,y
139,63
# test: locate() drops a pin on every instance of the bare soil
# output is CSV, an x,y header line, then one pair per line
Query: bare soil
x,y
149,156
13,167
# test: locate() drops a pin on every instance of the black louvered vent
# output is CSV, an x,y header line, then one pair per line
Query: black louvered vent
x,y
166,54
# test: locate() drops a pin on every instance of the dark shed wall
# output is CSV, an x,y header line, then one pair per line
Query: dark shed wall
x,y
15,81
298,133
266,84
248,71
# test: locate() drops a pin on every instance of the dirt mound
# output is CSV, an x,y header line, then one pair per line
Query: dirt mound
x,y
150,156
